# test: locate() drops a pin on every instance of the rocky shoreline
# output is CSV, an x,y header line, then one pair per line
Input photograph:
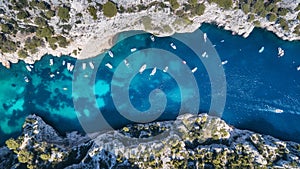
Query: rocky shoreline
x,y
192,141
88,36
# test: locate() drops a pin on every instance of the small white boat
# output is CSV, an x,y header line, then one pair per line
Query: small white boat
x,y
63,63
153,72
204,54
65,88
280,52
298,68
194,70
28,68
110,54
52,75
261,49
126,62
184,62
133,49
109,65
91,65
143,67
26,79
68,66
57,72
71,68
222,41
205,37
83,66
31,66
166,69
224,62
278,111
172,45
51,62
152,38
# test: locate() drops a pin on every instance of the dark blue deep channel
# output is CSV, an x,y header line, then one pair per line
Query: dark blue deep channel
x,y
263,90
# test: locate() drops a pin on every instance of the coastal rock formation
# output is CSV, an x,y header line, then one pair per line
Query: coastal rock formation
x,y
192,141
82,29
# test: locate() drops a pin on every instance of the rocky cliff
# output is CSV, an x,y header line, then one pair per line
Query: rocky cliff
x,y
189,142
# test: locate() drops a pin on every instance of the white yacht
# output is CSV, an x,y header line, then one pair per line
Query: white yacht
x,y
278,111
91,65
280,52
166,69
110,54
28,68
26,79
204,54
261,49
63,63
71,68
172,45
83,66
194,69
224,62
205,37
126,62
184,62
222,41
298,68
109,65
143,67
133,49
52,75
51,62
153,72
152,38
68,66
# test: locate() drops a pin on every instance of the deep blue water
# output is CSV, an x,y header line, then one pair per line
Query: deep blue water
x,y
257,84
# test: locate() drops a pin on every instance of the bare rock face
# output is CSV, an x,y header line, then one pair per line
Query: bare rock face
x,y
191,141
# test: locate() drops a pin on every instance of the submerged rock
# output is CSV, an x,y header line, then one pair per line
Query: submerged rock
x,y
192,141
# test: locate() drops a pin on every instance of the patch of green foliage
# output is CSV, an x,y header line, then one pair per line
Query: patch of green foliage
x,y
93,12
272,17
22,14
200,8
174,4
63,13
284,24
109,9
222,3
24,156
44,32
40,21
12,144
22,53
6,45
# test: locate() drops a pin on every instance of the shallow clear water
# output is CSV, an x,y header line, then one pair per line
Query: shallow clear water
x,y
257,85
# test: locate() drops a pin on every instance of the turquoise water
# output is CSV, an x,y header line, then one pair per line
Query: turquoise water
x,y
257,85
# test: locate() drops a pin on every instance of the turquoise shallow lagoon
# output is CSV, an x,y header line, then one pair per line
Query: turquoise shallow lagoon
x,y
257,85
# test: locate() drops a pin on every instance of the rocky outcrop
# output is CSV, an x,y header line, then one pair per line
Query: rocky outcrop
x,y
192,141
87,35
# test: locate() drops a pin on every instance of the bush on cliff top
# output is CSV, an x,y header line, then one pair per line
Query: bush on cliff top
x,y
222,3
109,9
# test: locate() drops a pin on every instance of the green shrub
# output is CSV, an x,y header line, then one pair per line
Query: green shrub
x,y
200,8
22,53
12,144
49,14
109,9
6,28
40,21
174,4
62,41
251,17
272,17
63,13
246,8
24,156
282,11
298,16
193,2
222,3
22,14
284,24
45,157
44,32
93,12
297,8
